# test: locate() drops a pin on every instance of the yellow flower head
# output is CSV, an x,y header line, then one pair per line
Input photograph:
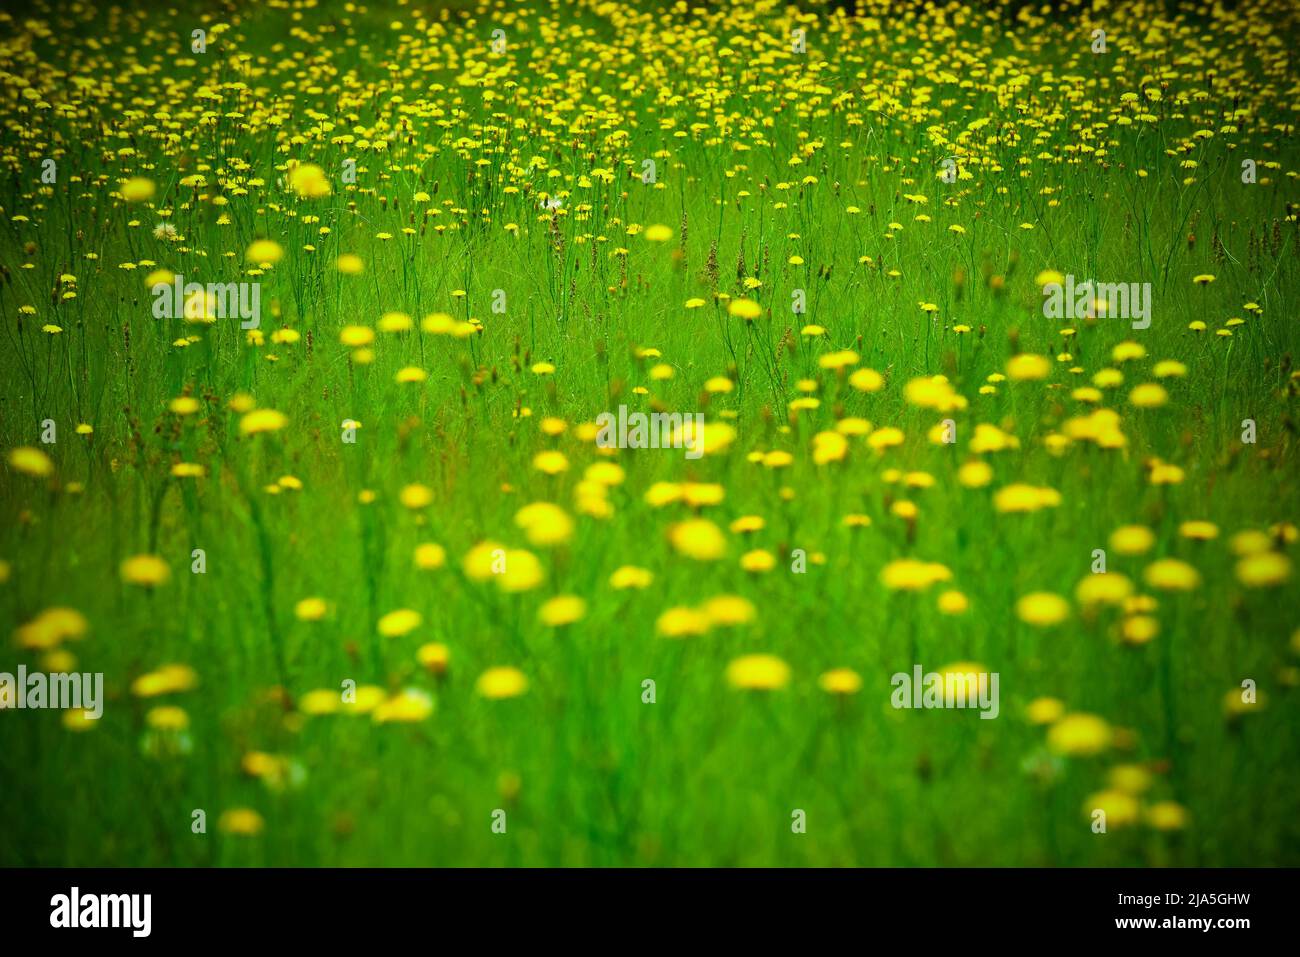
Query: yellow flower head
x,y
758,673
147,571
501,682
1171,574
309,181
545,524
262,420
30,461
1042,609
399,622
699,539
562,610
840,681
1079,734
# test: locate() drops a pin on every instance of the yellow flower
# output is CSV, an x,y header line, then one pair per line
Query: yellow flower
x,y
138,189
485,560
435,656
430,555
1132,539
962,679
699,539
167,718
562,610
910,574
1139,629
838,360
1042,609
905,510
933,392
852,425
1171,574
30,461
1103,588
840,681
1045,710
658,233
1162,473
522,571
885,438
1128,351
77,720
1079,734
975,474
1237,703
682,623
1263,570
1025,498
758,561
309,181
147,571
241,821
321,701
1121,809
264,251
51,627
1249,541
630,576
1129,778
758,673
1199,530
395,322
604,473
365,699
867,380
184,405
729,610
349,264
829,447
501,682
310,609
1149,395
550,462
262,420
1167,816
1028,367
168,679
989,438
953,603
399,622
745,309
354,336
416,496
407,706
545,524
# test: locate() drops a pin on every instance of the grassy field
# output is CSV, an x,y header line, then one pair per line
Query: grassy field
x,y
365,584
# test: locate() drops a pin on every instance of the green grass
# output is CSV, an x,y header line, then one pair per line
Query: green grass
x,y
587,773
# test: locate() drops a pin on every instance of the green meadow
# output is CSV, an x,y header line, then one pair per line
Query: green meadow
x,y
310,320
